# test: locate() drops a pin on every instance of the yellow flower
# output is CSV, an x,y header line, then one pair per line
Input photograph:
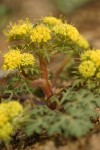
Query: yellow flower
x,y
67,31
12,60
19,30
3,114
3,107
72,33
93,55
3,118
82,42
98,75
27,59
86,55
5,132
60,29
8,112
51,20
87,68
40,34
14,108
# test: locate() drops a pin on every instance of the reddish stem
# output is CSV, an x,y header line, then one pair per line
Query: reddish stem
x,y
44,75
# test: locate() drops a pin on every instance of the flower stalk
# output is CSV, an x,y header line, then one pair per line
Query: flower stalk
x,y
44,75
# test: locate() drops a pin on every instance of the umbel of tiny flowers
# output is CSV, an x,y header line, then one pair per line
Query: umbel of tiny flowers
x,y
66,32
82,42
46,38
51,21
19,30
90,64
40,34
14,59
8,112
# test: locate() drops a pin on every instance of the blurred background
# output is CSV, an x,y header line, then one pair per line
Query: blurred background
x,y
84,14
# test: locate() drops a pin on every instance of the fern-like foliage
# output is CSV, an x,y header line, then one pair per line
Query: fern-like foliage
x,y
73,119
17,85
89,84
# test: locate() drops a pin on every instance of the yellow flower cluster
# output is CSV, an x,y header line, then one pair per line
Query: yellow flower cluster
x,y
40,34
90,64
93,55
5,132
87,68
19,30
98,74
3,118
60,29
27,59
51,20
82,42
67,31
48,33
8,112
14,108
14,60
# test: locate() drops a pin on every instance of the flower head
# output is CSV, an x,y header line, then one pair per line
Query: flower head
x,y
93,55
98,75
14,108
3,118
27,59
40,34
19,30
60,29
51,20
86,55
5,132
8,112
67,31
12,60
15,60
87,69
82,42
3,107
72,33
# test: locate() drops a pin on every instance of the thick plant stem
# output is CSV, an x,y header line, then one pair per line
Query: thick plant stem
x,y
44,75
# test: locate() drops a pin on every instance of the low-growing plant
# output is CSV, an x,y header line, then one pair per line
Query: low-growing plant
x,y
32,47
72,118
34,44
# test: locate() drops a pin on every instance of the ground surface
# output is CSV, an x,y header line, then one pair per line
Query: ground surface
x,y
89,142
